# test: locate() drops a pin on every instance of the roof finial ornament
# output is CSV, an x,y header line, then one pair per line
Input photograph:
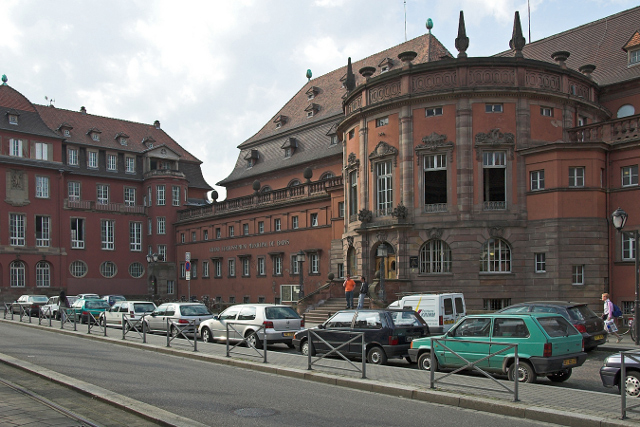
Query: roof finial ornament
x,y
517,41
350,84
4,80
429,25
462,41
309,75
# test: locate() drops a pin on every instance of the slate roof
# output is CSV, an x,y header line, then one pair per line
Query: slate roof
x,y
29,121
599,43
312,133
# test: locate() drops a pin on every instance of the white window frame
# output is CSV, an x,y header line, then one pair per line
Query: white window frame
x,y
175,195
129,196
43,274
17,229
382,121
246,267
112,162
102,194
260,227
107,234
171,287
92,159
232,231
634,57
537,180
493,108
77,233
42,187
43,238
314,219
576,176
435,257
433,111
546,111
261,266
294,222
497,257
277,265
135,236
42,151
217,268
314,263
15,147
540,262
231,262
629,176
245,229
161,225
384,188
628,247
72,156
17,274
577,275
289,293
205,268
73,191
277,224
129,164
162,253
160,195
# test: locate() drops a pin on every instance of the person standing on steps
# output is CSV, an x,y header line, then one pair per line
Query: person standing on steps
x,y
349,285
364,289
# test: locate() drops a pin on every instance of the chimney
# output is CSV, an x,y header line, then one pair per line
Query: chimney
x,y
156,124
83,110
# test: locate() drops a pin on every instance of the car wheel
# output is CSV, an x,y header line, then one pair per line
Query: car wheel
x,y
377,356
103,322
253,340
632,384
206,335
304,348
424,362
561,376
146,328
526,373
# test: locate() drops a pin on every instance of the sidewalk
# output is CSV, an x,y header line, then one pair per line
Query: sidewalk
x,y
536,401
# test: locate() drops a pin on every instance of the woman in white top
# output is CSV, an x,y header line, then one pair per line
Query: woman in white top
x,y
608,315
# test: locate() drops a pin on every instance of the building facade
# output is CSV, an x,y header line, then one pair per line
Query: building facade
x,y
492,176
86,199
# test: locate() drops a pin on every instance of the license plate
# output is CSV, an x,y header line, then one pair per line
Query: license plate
x,y
570,362
598,337
287,334
448,322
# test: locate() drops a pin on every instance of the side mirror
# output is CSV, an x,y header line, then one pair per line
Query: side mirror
x,y
322,326
153,314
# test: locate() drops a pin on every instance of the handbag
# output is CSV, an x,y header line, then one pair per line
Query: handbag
x,y
611,326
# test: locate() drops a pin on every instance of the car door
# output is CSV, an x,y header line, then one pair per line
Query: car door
x,y
155,320
219,324
507,331
372,324
470,339
112,315
334,331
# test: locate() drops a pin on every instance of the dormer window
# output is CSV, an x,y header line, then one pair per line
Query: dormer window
x,y
310,113
252,158
65,129
632,47
333,140
278,125
94,134
148,142
312,109
122,138
634,57
384,69
13,119
289,147
280,121
312,92
287,152
66,132
385,65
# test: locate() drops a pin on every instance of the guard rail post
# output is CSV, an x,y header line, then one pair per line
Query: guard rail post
x,y
364,358
515,380
266,342
309,349
168,341
122,322
144,330
623,388
195,337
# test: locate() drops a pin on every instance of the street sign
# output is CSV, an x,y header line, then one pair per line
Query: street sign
x,y
188,275
187,266
187,256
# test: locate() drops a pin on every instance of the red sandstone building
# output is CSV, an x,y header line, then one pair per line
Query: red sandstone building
x,y
493,176
85,199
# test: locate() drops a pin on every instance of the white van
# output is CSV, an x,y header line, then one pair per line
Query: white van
x,y
440,310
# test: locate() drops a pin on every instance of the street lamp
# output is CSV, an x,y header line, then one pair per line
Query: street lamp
x,y
619,219
151,260
300,259
382,253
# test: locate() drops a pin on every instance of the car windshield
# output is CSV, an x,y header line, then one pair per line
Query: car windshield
x,y
96,304
280,313
143,307
194,310
557,326
406,318
42,300
581,312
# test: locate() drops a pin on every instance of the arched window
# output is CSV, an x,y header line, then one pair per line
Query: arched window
x,y
17,273
265,189
326,175
43,274
435,257
496,256
626,111
294,182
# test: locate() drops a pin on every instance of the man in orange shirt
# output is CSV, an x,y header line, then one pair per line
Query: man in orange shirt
x,y
349,285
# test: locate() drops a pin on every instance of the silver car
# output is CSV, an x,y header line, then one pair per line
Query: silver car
x,y
180,313
280,323
133,309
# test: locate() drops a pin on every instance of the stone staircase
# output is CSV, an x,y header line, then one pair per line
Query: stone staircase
x,y
325,310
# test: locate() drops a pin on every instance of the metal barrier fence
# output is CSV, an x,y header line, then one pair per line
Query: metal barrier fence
x,y
249,340
633,355
175,329
132,324
336,350
473,365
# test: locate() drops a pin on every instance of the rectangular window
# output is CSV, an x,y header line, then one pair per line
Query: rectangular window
x,y
135,236
493,108
162,252
433,111
537,180
130,164
260,227
183,270
129,196
217,268
72,157
205,235
576,177
161,225
628,247
17,229
435,183
577,275
340,270
495,304
232,231
102,192
92,159
352,133
175,195
193,236
382,121
42,151
232,267
630,176
77,233
218,233
634,57
340,209
107,234
246,267
314,219
149,227
277,265
194,270
295,264
353,193
171,287
15,147
541,262
277,224
494,171
43,231
13,119
314,264
245,229
384,188
205,268
42,187
181,237
160,195
546,111
289,293
112,162
261,266
294,222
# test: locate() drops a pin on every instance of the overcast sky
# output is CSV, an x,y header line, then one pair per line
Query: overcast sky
x,y
214,72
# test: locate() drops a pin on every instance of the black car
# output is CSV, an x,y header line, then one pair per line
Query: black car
x,y
610,373
585,320
387,334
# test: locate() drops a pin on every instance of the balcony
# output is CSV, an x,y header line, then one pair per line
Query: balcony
x,y
435,208
156,173
494,206
612,131
269,199
88,205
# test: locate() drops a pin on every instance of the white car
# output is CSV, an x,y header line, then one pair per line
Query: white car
x,y
52,307
133,309
180,313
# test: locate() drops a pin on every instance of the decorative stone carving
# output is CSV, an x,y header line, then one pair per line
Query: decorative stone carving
x,y
17,180
384,92
494,139
383,150
433,81
435,233
496,232
350,241
400,212
352,161
365,216
434,143
354,105
381,236
542,80
462,41
17,187
491,77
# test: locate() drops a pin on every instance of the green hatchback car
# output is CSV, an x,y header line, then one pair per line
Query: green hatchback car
x,y
82,309
547,345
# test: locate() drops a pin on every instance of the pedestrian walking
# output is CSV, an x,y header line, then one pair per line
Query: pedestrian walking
x,y
349,285
63,304
609,317
364,290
